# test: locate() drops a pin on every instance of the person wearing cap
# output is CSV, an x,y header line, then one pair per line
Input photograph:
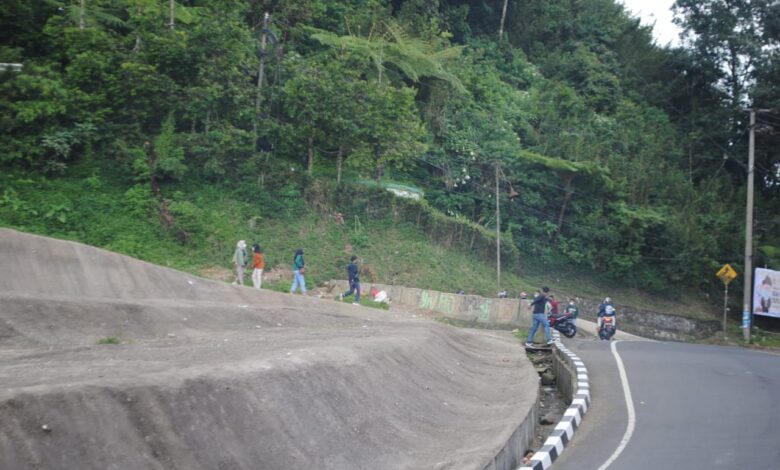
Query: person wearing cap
x,y
298,271
240,260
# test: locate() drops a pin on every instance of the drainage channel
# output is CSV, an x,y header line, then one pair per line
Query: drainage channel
x,y
574,372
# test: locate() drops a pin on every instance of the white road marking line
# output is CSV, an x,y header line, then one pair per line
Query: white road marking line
x,y
629,406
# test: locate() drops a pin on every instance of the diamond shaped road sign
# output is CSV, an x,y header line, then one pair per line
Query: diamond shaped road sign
x,y
726,274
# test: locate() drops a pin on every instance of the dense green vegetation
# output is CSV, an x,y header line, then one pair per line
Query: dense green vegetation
x,y
167,130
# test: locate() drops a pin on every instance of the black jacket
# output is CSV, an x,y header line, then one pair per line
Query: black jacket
x,y
352,272
538,303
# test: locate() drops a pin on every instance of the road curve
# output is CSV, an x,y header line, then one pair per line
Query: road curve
x,y
697,407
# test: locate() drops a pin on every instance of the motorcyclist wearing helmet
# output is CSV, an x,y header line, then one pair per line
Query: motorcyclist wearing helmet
x,y
607,309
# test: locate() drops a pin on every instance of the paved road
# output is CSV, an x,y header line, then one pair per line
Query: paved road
x,y
697,407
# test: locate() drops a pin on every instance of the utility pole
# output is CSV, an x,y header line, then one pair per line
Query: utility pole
x,y
747,314
172,7
503,18
498,233
260,71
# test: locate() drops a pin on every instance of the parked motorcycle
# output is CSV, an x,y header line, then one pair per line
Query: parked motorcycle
x,y
563,323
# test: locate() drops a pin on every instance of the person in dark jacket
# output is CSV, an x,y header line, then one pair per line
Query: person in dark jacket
x,y
354,280
606,309
539,317
298,271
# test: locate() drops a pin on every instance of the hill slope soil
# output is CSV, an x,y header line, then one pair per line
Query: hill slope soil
x,y
210,375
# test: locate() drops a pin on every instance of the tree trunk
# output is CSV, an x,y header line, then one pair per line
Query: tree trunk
x,y
81,14
172,24
568,191
339,161
378,170
690,164
310,153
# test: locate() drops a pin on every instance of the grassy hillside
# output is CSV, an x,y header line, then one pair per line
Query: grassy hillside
x,y
97,210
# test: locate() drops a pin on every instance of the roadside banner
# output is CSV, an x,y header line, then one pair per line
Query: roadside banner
x,y
766,293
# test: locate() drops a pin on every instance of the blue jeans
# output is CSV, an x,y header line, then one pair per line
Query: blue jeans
x,y
354,286
540,318
298,280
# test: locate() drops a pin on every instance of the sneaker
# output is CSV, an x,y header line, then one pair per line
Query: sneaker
x,y
341,296
529,345
550,343
355,303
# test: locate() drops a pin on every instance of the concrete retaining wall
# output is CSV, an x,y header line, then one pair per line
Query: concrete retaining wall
x,y
494,313
656,325
565,374
510,457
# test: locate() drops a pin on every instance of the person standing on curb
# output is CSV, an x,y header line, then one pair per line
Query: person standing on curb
x,y
240,260
258,263
539,317
354,281
299,270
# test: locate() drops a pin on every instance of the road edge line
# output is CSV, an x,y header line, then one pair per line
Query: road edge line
x,y
629,407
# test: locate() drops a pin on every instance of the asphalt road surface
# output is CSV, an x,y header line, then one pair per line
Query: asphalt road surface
x,y
695,407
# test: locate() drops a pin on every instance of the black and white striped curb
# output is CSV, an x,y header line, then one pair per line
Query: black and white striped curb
x,y
564,430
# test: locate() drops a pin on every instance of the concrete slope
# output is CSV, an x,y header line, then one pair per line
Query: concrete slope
x,y
217,376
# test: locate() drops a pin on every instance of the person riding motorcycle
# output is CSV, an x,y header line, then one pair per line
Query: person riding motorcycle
x,y
607,310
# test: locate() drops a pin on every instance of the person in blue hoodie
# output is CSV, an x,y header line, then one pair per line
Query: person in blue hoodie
x,y
298,271
354,280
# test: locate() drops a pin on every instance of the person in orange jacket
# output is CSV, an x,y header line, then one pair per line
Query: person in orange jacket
x,y
258,263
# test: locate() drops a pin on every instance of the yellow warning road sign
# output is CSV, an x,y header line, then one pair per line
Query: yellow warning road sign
x,y
726,274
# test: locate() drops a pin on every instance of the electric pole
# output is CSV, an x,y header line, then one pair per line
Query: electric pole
x,y
747,314
498,233
503,17
260,72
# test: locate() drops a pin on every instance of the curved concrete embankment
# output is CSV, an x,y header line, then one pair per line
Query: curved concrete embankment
x,y
217,376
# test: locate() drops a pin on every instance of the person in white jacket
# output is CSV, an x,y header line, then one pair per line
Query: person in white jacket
x,y
240,260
